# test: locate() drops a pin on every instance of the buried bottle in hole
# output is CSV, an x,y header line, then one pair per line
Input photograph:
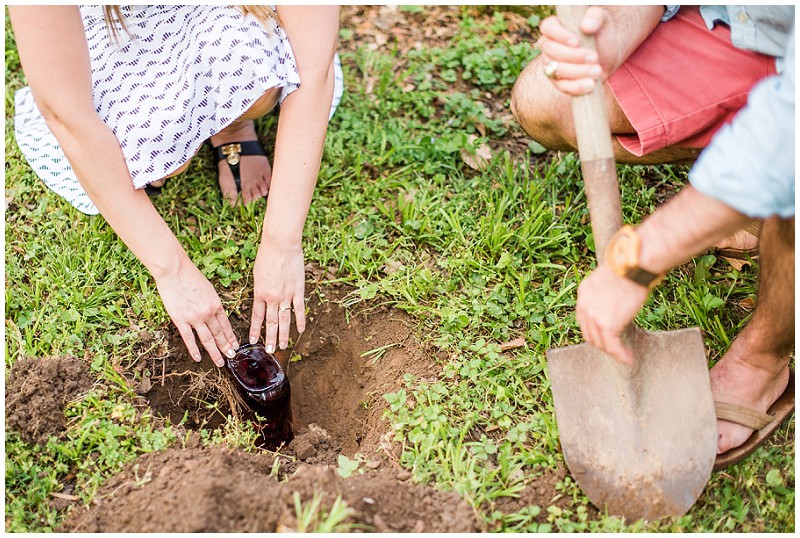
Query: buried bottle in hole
x,y
265,389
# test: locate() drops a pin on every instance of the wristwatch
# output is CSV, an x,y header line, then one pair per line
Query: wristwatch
x,y
622,256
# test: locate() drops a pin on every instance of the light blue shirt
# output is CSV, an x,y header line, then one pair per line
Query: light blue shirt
x,y
764,29
749,164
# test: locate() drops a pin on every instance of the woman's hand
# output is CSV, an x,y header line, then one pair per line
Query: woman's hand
x,y
193,305
279,275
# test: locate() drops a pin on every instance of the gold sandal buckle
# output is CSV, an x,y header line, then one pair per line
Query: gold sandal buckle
x,y
232,153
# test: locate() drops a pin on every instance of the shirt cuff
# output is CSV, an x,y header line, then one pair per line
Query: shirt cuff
x,y
669,12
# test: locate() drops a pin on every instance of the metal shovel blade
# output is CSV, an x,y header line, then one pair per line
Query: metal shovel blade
x,y
641,440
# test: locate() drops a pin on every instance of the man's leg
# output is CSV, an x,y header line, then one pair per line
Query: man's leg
x,y
546,115
754,372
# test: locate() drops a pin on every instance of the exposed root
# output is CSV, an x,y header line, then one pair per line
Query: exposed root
x,y
210,386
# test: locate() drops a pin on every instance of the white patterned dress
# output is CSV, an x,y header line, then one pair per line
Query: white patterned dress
x,y
177,76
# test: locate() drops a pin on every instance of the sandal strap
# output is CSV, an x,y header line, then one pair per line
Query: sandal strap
x,y
249,147
744,416
231,154
738,253
754,227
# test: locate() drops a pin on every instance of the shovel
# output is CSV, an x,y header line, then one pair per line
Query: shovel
x,y
640,440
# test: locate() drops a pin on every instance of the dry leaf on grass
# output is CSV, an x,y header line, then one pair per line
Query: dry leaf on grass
x,y
513,344
392,266
64,496
480,159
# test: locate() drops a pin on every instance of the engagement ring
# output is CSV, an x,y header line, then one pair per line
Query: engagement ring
x,y
284,308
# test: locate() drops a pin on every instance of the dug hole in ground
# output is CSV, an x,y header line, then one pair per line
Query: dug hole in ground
x,y
338,407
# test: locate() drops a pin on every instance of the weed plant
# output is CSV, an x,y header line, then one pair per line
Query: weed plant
x,y
477,257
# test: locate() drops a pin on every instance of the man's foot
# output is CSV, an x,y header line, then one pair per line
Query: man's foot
x,y
741,245
744,381
255,170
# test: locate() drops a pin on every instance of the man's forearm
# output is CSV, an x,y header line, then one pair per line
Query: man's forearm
x,y
683,227
633,25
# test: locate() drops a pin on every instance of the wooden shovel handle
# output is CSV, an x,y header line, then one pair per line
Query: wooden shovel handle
x,y
594,147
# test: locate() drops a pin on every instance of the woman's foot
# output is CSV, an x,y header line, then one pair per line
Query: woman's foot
x,y
154,187
752,381
255,170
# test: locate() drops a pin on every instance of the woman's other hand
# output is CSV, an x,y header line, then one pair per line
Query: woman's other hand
x,y
279,288
194,307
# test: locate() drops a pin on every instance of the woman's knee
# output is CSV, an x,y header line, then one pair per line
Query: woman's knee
x,y
263,104
180,170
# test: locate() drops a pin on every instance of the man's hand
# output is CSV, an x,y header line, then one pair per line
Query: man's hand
x,y
685,226
607,304
618,31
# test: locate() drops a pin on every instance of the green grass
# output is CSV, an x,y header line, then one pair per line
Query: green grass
x,y
476,257
311,517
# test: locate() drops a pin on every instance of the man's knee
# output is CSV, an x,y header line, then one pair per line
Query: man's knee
x,y
540,109
519,105
527,97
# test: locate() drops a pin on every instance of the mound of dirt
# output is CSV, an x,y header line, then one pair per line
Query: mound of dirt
x,y
221,489
37,391
385,500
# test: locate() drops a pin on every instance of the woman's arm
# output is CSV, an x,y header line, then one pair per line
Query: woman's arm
x,y
55,58
279,269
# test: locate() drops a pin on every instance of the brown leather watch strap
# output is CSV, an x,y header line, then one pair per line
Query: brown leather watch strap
x,y
645,278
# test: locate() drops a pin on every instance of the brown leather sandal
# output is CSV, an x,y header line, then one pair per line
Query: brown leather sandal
x,y
739,257
764,424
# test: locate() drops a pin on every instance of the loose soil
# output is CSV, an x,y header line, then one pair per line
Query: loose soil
x,y
218,489
37,391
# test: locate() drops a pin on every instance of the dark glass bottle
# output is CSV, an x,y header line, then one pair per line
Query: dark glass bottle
x,y
264,387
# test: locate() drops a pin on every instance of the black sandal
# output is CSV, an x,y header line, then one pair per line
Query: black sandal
x,y
153,190
232,152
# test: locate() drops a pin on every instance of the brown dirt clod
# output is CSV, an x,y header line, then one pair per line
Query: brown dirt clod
x,y
38,390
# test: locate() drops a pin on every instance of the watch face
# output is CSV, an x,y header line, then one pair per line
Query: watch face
x,y
622,256
623,252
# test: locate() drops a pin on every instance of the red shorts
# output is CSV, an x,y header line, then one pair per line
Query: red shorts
x,y
684,83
